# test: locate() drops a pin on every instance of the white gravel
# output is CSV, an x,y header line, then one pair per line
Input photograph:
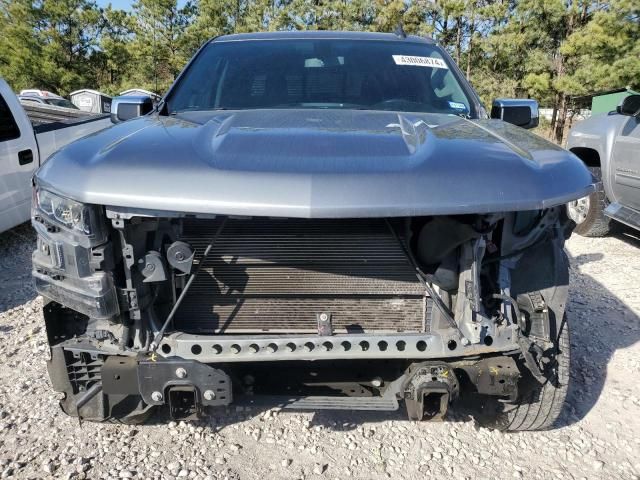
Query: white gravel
x,y
600,439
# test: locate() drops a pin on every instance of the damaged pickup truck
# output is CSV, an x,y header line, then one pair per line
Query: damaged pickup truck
x,y
311,220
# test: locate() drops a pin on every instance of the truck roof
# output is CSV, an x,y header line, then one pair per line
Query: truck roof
x,y
34,92
322,34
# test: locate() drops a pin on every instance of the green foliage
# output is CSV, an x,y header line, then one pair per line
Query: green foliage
x,y
114,55
20,50
546,49
606,49
48,44
159,48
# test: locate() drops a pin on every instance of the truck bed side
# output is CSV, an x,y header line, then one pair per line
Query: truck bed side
x,y
51,137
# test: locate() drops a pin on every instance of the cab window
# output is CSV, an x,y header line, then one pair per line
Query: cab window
x,y
8,128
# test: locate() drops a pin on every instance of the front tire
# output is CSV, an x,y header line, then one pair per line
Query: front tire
x,y
539,405
588,212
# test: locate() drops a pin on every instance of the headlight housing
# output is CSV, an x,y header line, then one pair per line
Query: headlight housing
x,y
65,212
84,222
63,265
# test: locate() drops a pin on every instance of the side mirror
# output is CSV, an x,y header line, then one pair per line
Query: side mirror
x,y
522,112
629,106
127,107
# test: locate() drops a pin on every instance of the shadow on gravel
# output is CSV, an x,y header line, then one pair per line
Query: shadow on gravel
x,y
600,323
346,421
628,235
16,286
585,258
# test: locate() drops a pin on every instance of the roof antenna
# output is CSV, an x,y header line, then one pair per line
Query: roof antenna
x,y
399,31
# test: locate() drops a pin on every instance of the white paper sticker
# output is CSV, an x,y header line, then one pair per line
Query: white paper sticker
x,y
457,105
430,62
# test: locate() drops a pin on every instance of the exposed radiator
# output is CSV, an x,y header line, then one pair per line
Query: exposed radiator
x,y
277,275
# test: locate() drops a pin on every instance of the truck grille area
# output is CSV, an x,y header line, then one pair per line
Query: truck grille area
x,y
279,275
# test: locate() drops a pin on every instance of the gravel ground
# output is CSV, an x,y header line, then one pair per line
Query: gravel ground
x,y
600,437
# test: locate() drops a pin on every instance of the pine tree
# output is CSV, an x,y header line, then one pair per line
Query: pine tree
x,y
606,48
159,48
48,44
114,55
20,50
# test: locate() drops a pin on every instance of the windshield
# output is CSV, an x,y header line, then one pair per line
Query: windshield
x,y
60,102
320,73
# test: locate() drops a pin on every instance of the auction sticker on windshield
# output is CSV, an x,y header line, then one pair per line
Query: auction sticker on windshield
x,y
419,61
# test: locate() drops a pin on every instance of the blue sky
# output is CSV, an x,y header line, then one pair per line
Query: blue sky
x,y
119,4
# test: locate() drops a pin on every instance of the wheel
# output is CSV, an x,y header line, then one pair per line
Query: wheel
x,y
588,212
539,404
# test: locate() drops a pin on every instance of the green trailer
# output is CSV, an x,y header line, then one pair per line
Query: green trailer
x,y
605,102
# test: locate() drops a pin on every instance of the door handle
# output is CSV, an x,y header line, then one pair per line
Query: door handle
x,y
25,157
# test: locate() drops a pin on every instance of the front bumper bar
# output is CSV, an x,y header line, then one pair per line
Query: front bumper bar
x,y
97,384
215,349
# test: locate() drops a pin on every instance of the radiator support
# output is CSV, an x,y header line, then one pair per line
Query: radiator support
x,y
276,276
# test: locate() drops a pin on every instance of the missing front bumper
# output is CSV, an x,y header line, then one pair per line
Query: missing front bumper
x,y
128,385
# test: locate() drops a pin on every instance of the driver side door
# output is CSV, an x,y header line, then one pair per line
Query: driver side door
x,y
18,160
625,163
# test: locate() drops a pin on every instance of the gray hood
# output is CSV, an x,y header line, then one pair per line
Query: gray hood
x,y
316,163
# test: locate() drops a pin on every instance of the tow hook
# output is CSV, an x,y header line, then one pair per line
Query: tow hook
x,y
429,389
185,385
183,403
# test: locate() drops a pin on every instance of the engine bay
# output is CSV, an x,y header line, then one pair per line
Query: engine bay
x,y
267,277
